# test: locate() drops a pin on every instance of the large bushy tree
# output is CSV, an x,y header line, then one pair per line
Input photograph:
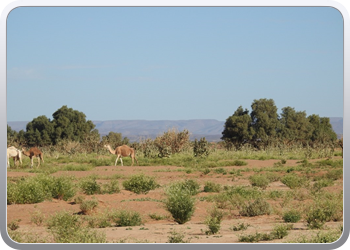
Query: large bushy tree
x,y
238,128
70,124
264,126
322,130
295,126
265,121
67,124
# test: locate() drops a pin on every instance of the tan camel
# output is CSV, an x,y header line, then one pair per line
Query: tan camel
x,y
33,152
122,151
14,153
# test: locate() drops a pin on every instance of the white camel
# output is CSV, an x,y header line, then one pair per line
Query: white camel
x,y
122,151
14,153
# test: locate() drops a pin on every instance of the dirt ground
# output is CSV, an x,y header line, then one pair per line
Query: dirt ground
x,y
158,231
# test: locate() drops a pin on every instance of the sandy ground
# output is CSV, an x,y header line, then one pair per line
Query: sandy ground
x,y
158,231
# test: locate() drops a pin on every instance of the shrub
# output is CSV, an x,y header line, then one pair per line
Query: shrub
x,y
155,216
212,187
179,203
68,228
201,147
220,171
13,225
206,171
240,227
125,218
37,218
315,218
89,185
258,207
293,181
213,221
63,188
27,191
291,216
111,187
280,231
259,181
172,142
79,199
334,174
140,184
177,237
88,206
318,185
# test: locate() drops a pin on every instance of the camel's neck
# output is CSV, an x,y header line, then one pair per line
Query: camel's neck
x,y
25,153
110,150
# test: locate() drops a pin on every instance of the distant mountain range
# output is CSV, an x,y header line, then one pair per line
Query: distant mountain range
x,y
137,129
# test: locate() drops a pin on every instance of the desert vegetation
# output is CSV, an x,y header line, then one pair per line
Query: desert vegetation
x,y
238,190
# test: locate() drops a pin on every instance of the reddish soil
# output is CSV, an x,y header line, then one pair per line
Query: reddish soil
x,y
153,231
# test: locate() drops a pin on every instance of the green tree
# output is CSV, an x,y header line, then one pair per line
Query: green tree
x,y
237,128
71,125
11,136
115,139
67,124
39,131
295,126
322,129
265,120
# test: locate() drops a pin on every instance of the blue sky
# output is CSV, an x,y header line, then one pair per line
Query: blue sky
x,y
177,63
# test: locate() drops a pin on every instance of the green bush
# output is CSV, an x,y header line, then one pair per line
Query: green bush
x,y
63,188
140,184
293,181
201,147
177,237
27,191
68,228
179,203
259,181
240,227
88,206
213,221
291,216
280,231
315,218
212,187
125,218
89,185
111,187
258,207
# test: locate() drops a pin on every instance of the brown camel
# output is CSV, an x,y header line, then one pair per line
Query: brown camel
x,y
33,152
122,151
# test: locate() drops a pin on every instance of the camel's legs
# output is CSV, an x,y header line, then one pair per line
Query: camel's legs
x,y
121,160
116,161
31,162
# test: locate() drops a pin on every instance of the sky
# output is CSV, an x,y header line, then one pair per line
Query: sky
x,y
172,63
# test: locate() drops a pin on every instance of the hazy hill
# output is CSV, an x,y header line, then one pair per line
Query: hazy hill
x,y
135,129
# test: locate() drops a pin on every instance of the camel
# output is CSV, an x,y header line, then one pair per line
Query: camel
x,y
33,152
14,153
122,151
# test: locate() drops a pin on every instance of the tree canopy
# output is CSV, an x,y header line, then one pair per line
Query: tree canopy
x,y
264,126
67,124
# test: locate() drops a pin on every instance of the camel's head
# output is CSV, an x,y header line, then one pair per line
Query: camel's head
x,y
106,146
